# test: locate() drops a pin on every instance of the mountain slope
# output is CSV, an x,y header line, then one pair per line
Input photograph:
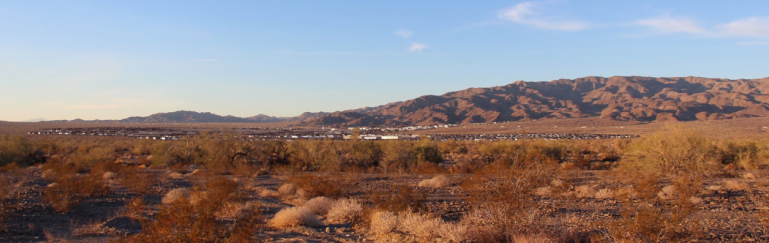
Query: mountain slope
x,y
616,98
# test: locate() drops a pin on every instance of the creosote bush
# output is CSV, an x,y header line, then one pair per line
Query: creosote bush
x,y
67,192
138,181
312,185
219,215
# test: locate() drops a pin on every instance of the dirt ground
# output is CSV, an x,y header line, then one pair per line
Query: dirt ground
x,y
727,212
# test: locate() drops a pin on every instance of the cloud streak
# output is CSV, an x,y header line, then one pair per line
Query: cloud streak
x,y
524,14
670,25
417,47
747,27
757,27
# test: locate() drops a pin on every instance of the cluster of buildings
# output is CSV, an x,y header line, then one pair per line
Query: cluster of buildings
x,y
363,133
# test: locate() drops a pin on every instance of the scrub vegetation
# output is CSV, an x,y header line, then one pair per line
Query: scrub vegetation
x,y
675,185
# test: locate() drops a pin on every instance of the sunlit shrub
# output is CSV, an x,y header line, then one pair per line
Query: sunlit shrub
x,y
344,210
294,216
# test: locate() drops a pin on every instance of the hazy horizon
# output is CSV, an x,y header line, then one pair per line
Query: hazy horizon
x,y
113,60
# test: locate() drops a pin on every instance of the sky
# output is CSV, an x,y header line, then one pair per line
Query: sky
x,y
115,59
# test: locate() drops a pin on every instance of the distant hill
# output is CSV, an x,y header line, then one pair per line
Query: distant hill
x,y
197,117
615,98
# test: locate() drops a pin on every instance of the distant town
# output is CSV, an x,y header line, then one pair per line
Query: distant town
x,y
283,133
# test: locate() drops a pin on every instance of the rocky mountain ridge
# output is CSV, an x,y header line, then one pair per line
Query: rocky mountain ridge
x,y
621,98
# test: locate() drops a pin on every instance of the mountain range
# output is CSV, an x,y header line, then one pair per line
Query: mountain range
x,y
623,98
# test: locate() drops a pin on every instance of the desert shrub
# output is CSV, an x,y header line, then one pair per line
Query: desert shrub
x,y
218,214
135,208
220,188
54,170
287,189
673,151
734,185
5,191
109,175
663,214
453,147
18,149
604,193
426,151
160,155
319,205
643,222
294,216
503,195
314,185
89,154
396,156
106,166
397,199
344,210
181,221
269,193
437,182
419,225
383,222
425,227
68,192
364,154
742,154
142,147
584,191
137,181
175,194
232,210
454,232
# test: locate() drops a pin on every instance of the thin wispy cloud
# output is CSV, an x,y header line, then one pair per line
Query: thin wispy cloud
x,y
671,25
746,27
417,47
524,14
404,33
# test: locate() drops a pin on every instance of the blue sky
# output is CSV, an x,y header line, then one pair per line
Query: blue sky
x,y
114,59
